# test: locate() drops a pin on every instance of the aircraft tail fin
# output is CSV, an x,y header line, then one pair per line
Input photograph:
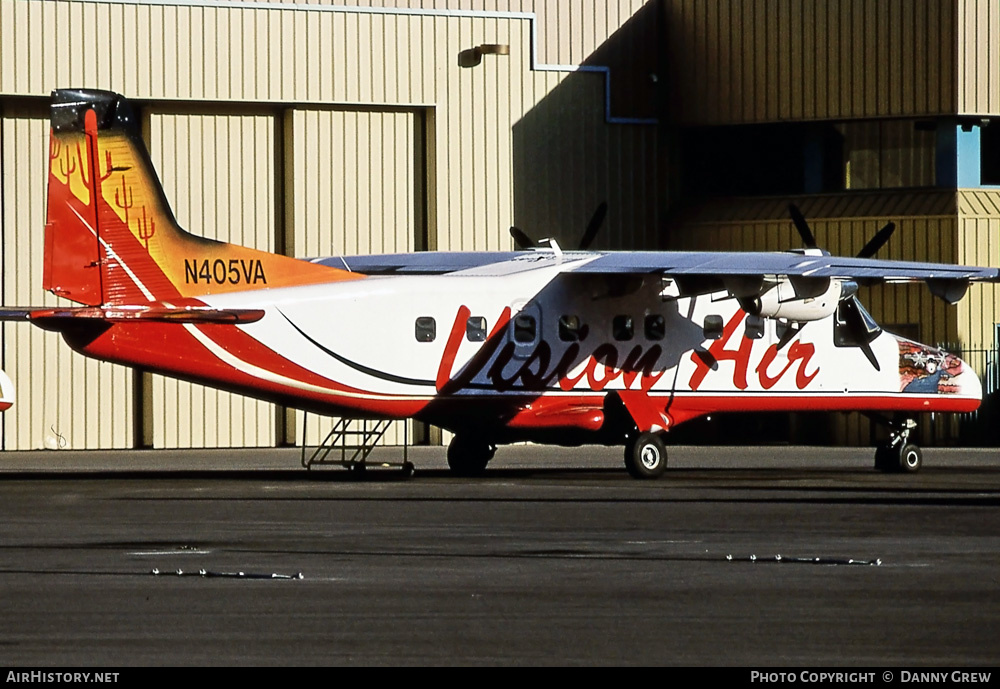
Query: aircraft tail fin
x,y
110,236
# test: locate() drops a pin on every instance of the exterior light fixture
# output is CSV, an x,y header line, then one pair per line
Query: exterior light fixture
x,y
473,56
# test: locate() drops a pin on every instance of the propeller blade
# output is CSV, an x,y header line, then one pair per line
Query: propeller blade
x,y
522,240
876,242
594,225
808,240
791,330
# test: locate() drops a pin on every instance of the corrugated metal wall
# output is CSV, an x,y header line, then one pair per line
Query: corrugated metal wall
x,y
979,244
356,186
199,66
64,400
258,54
774,60
978,57
568,34
219,173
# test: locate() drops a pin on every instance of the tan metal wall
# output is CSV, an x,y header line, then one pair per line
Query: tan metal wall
x,y
211,59
978,57
218,172
979,244
64,400
773,60
348,56
569,31
620,165
354,187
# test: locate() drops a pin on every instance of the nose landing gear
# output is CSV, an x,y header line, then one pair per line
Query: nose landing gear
x,y
898,454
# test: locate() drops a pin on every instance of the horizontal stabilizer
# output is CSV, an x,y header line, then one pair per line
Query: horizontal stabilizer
x,y
152,313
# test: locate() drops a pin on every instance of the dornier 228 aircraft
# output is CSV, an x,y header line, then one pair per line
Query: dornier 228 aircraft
x,y
540,344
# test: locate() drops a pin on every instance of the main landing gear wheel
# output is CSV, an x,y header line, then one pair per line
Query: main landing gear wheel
x,y
469,456
645,456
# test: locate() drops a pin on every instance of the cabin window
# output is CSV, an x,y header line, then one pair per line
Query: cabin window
x,y
622,328
525,328
754,328
656,327
475,329
569,329
713,327
425,329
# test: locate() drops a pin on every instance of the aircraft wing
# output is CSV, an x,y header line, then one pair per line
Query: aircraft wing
x,y
419,263
787,264
693,263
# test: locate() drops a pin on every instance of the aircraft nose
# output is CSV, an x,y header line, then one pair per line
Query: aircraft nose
x,y
968,381
930,371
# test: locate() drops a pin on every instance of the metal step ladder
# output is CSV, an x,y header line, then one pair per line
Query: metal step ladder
x,y
355,439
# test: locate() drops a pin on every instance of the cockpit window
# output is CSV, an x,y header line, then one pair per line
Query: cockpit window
x,y
854,326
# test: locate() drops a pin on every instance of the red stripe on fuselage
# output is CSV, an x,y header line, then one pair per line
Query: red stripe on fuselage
x,y
170,348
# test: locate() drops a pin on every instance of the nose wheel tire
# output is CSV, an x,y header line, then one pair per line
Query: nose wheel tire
x,y
906,459
645,456
910,458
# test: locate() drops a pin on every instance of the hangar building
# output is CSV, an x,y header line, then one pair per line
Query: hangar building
x,y
367,126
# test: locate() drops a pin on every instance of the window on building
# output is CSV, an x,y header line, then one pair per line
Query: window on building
x,y
746,160
887,154
425,329
807,158
989,151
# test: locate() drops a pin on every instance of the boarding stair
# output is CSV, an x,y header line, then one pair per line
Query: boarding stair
x,y
350,442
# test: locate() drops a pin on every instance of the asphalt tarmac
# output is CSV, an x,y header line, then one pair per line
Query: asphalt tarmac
x,y
758,557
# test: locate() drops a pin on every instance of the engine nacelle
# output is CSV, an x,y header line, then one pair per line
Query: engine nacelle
x,y
800,300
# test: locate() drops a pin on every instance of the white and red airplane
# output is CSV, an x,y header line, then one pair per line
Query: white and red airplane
x,y
541,344
6,391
